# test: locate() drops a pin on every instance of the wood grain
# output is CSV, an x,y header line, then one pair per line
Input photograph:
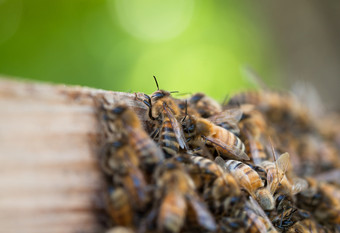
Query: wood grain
x,y
50,180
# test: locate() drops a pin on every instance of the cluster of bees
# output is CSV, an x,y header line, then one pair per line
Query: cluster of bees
x,y
198,166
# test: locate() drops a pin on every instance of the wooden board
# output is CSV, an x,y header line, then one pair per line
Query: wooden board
x,y
50,180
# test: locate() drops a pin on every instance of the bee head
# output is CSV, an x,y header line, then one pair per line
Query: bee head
x,y
159,94
265,199
197,97
119,109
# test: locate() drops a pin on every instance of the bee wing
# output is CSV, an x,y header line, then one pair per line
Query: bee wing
x,y
221,162
252,205
231,116
281,167
231,149
203,216
253,150
299,185
177,129
283,162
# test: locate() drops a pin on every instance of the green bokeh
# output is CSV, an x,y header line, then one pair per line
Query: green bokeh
x,y
86,43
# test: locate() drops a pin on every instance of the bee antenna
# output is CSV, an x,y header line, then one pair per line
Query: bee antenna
x,y
282,217
174,91
224,103
186,110
156,82
274,155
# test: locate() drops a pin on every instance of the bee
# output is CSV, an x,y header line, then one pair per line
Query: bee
x,y
286,212
250,180
199,130
321,199
179,201
224,196
120,161
209,168
228,119
255,149
250,218
165,112
204,105
121,118
120,208
276,172
281,108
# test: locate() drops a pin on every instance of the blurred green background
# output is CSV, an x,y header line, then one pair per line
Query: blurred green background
x,y
190,45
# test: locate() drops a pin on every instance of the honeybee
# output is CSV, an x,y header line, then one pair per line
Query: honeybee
x,y
120,161
179,201
228,119
286,213
276,172
209,168
119,207
224,196
281,108
204,105
255,149
164,110
250,180
198,130
122,119
250,218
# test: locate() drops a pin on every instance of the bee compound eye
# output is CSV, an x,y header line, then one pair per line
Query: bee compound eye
x,y
281,197
195,98
117,144
118,110
157,95
234,200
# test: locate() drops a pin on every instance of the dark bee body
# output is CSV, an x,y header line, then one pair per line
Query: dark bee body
x,y
123,121
204,105
120,161
307,226
164,111
248,218
168,141
179,201
199,130
119,208
322,201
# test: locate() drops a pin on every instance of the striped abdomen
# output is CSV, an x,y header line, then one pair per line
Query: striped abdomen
x,y
146,149
255,149
135,184
229,139
168,140
245,175
208,165
120,208
249,97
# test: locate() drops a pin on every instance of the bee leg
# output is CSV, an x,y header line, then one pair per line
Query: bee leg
x,y
147,102
154,133
282,217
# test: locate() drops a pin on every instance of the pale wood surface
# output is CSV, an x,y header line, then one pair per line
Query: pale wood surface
x,y
49,140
